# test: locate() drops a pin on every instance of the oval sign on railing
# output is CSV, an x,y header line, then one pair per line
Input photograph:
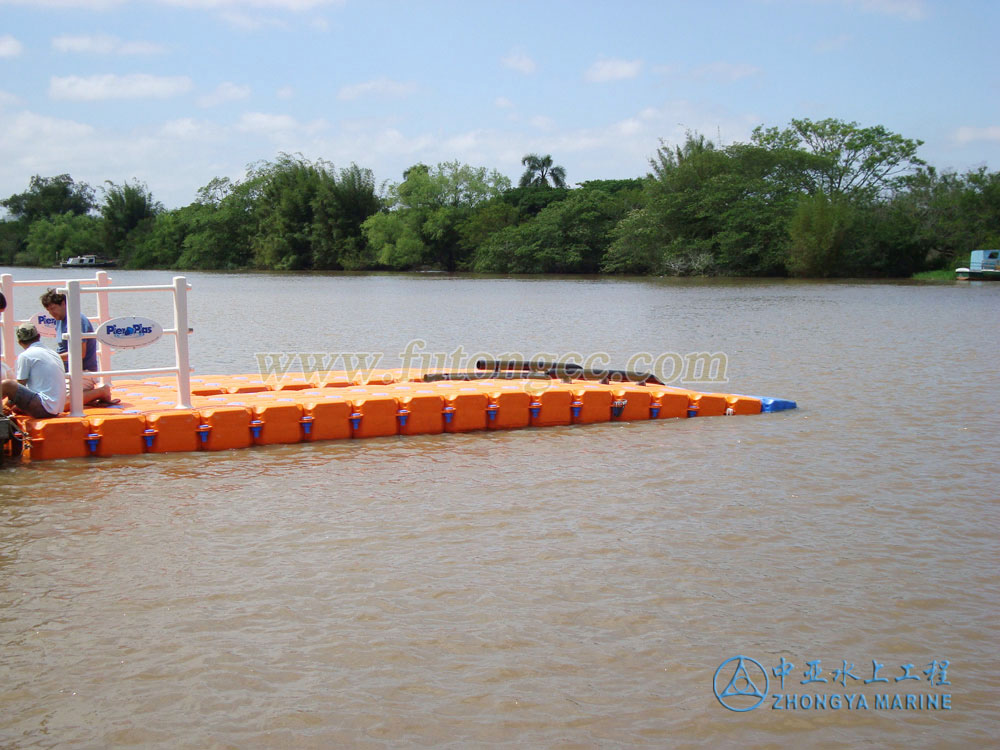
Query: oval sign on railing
x,y
45,324
129,332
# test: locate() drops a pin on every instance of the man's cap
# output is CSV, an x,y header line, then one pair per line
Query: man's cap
x,y
26,332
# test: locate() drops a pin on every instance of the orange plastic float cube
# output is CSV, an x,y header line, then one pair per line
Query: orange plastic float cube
x,y
172,431
742,404
553,406
224,427
509,406
669,403
631,403
708,404
244,384
325,418
465,409
277,421
373,415
421,411
60,437
116,435
592,403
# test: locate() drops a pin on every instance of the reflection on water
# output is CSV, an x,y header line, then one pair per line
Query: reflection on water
x,y
562,587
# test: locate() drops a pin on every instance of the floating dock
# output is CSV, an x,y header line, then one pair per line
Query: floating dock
x,y
165,409
240,411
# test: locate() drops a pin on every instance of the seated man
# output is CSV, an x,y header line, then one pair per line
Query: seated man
x,y
40,388
3,365
55,303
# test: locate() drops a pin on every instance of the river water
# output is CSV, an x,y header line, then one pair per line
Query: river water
x,y
565,587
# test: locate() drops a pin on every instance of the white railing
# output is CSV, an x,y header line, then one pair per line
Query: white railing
x,y
10,322
75,337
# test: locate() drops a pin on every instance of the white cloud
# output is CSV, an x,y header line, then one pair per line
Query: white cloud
x,y
911,10
27,125
102,44
8,99
726,71
603,71
9,46
833,43
224,92
111,86
284,128
542,122
83,4
520,62
289,5
260,122
247,22
502,102
968,134
285,92
378,87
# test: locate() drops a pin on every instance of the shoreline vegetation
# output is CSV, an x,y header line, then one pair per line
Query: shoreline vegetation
x,y
821,199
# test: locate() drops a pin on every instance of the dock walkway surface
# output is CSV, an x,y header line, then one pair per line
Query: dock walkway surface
x,y
240,411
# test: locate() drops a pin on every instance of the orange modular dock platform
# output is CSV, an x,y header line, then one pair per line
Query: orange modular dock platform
x,y
239,411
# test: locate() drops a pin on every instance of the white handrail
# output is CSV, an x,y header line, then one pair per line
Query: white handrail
x,y
75,337
10,322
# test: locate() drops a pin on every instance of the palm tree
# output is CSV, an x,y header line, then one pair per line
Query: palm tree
x,y
540,170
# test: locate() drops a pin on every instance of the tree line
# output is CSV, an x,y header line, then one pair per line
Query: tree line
x,y
814,199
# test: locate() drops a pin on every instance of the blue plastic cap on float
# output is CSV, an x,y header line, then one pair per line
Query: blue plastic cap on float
x,y
768,405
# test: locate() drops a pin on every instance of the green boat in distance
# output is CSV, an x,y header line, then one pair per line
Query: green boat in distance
x,y
983,264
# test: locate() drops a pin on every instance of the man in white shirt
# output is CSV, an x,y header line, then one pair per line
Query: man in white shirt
x,y
40,388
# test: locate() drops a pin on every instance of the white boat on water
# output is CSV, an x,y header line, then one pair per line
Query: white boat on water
x,y
87,261
983,264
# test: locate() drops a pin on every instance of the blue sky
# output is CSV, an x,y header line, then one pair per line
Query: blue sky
x,y
175,92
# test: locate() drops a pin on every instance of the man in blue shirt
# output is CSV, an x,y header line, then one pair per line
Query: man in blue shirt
x,y
55,303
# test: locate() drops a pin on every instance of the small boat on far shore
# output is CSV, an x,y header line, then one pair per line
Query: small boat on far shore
x,y
983,264
88,261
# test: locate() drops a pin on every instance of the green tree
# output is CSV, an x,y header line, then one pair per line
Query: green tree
x,y
539,171
707,210
856,161
428,210
128,211
53,239
567,236
306,215
818,230
50,196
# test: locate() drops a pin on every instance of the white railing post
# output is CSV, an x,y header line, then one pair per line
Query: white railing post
x,y
103,314
7,332
181,343
74,346
74,336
